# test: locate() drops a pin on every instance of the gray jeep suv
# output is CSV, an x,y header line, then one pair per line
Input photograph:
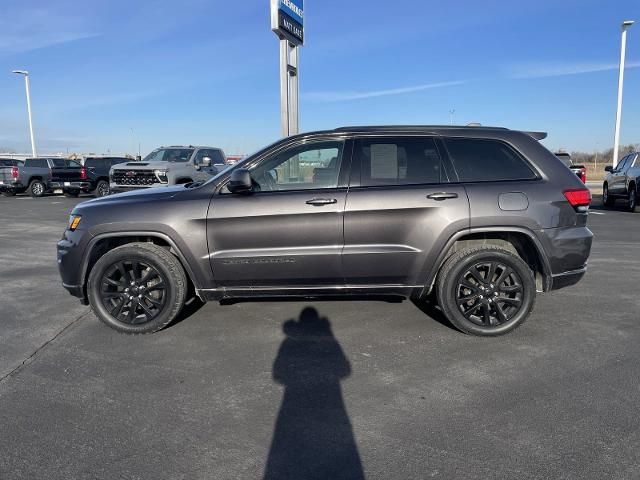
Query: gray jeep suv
x,y
471,220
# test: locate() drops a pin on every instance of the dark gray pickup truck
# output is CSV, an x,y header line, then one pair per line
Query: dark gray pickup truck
x,y
41,175
8,167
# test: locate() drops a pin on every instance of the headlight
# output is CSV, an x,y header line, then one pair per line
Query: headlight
x,y
74,221
161,175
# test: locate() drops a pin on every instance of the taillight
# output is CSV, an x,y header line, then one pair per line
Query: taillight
x,y
14,172
583,175
578,198
83,173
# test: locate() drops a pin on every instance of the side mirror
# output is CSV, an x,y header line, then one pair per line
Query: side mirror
x,y
240,181
206,162
608,168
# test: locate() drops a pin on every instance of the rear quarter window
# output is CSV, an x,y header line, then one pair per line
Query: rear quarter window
x,y
483,160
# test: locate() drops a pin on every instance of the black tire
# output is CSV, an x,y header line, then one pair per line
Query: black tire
x,y
71,193
607,200
119,304
495,282
633,199
102,189
8,193
37,189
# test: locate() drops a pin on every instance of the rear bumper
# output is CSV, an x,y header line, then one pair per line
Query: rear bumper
x,y
11,187
566,279
63,184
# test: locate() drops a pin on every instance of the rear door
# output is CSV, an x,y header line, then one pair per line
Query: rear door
x,y
400,209
64,170
288,232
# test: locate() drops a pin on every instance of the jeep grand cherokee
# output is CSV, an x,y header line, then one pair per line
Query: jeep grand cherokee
x,y
476,219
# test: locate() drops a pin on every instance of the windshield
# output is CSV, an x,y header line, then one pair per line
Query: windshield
x,y
169,155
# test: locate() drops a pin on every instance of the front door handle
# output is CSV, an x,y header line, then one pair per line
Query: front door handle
x,y
321,201
442,196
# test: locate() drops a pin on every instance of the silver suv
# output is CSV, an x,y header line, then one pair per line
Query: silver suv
x,y
168,166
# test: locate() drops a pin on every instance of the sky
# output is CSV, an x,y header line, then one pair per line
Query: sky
x,y
112,76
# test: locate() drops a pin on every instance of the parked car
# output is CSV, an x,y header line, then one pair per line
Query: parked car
x,y
41,175
475,219
622,182
98,173
168,166
579,170
6,175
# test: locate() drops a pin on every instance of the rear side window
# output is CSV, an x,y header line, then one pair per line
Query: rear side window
x,y
58,162
398,161
480,160
36,163
72,164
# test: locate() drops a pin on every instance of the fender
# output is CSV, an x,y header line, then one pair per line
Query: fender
x,y
433,271
145,233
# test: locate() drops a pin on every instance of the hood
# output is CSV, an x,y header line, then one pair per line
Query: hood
x,y
146,165
135,196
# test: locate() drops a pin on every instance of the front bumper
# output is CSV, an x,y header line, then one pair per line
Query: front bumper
x,y
566,279
115,188
70,255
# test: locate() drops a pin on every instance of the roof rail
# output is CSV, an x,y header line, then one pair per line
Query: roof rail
x,y
370,128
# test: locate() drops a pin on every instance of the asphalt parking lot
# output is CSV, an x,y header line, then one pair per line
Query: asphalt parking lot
x,y
378,390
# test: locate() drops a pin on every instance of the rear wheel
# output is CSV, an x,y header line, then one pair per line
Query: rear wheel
x,y
607,199
102,189
71,193
633,199
137,288
486,291
36,188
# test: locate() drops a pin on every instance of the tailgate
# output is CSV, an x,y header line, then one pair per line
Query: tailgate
x,y
5,175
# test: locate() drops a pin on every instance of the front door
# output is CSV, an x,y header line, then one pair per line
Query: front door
x,y
400,205
289,231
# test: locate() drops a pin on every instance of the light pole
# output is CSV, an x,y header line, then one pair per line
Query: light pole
x,y
26,83
616,140
451,114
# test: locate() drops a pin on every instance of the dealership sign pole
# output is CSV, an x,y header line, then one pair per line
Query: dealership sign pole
x,y
287,21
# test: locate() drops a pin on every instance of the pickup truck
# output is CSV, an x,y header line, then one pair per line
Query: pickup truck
x,y
167,166
579,170
41,175
622,182
7,166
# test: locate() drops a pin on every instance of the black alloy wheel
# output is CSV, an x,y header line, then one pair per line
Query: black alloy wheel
x,y
633,200
102,189
489,293
486,290
133,292
137,288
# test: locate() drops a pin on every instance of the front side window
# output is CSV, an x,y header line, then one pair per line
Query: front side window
x,y
398,161
622,165
483,160
304,167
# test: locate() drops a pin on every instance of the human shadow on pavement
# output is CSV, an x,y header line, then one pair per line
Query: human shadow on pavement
x,y
313,437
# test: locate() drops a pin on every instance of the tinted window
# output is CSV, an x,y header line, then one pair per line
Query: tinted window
x,y
72,164
304,167
36,163
58,162
6,163
622,164
479,160
398,161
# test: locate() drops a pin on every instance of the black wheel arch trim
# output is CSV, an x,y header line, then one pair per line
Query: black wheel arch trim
x,y
442,256
140,233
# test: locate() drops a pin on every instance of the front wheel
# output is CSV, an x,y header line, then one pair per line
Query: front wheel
x,y
607,199
137,288
486,291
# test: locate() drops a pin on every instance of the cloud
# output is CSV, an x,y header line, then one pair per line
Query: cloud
x,y
559,69
334,96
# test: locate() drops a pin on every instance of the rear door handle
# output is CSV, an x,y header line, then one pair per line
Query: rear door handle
x,y
442,196
321,201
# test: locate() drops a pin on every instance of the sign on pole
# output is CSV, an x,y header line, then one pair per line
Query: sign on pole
x,y
287,20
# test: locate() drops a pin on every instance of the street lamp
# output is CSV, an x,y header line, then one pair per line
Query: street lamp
x,y
616,141
26,83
